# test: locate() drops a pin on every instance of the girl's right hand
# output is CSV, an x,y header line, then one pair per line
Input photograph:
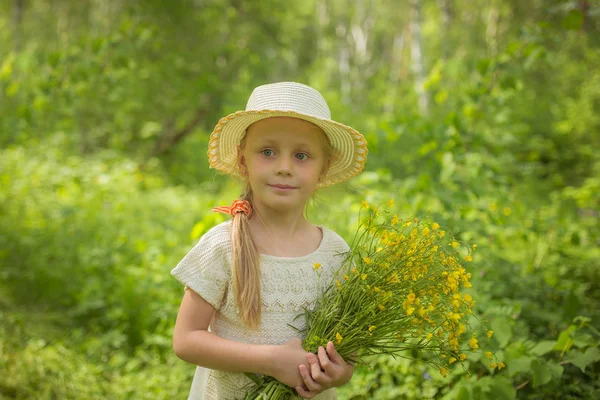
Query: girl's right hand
x,y
287,357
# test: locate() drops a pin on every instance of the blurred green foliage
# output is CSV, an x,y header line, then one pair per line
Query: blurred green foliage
x,y
105,109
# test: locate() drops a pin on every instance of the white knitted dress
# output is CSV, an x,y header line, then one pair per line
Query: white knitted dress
x,y
288,284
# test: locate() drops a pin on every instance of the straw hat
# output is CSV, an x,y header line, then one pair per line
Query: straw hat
x,y
289,99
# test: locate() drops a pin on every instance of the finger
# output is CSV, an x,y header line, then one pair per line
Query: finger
x,y
325,362
333,354
304,393
308,380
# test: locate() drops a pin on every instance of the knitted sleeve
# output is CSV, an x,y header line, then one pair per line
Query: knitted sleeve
x,y
205,268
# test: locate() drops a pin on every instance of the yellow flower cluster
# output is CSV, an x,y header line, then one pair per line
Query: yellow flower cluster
x,y
402,280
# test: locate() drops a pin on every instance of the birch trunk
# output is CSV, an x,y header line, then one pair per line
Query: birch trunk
x,y
417,56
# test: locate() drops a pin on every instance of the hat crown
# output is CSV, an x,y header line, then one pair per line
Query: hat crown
x,y
289,96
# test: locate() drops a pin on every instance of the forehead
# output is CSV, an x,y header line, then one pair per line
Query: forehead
x,y
286,130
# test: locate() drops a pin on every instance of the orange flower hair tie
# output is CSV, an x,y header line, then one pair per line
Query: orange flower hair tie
x,y
238,206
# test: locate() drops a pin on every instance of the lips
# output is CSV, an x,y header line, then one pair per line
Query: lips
x,y
283,187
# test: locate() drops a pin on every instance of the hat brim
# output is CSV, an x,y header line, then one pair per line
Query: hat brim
x,y
349,146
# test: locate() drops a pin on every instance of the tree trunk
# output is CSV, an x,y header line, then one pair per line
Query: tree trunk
x,y
18,10
417,56
446,10
491,32
394,75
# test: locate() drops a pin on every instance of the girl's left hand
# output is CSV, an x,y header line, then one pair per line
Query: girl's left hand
x,y
327,369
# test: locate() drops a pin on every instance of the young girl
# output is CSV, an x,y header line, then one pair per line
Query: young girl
x,y
249,278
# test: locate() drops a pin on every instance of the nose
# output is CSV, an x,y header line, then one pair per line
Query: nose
x,y
284,166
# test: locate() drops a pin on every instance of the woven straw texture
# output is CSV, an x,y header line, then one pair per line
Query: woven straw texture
x,y
289,99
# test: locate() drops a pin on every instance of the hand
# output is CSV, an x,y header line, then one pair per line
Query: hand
x,y
287,357
327,369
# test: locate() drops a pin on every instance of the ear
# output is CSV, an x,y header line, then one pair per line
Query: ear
x,y
241,161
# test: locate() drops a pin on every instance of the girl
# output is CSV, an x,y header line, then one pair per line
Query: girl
x,y
247,279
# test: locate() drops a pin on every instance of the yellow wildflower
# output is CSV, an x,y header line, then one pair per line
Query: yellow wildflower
x,y
346,277
489,333
391,203
473,343
453,343
444,372
474,246
363,276
488,354
381,307
372,328
316,266
462,356
425,231
468,298
455,244
338,284
435,226
501,365
428,336
469,258
338,338
452,360
493,365
441,234
365,205
395,220
411,297
367,260
410,310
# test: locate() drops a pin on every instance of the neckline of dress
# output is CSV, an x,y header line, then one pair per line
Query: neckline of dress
x,y
311,254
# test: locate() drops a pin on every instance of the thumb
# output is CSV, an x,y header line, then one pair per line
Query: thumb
x,y
333,354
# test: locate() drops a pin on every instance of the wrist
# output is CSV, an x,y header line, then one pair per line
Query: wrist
x,y
268,365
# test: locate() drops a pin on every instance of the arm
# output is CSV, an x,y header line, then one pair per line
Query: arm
x,y
194,344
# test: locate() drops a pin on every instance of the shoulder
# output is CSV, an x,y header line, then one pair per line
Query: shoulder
x,y
333,242
218,234
216,241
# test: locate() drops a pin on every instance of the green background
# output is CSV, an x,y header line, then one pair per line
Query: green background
x,y
486,114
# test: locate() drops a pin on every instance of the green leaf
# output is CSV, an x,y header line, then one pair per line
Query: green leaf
x,y
543,347
583,340
502,389
565,341
519,365
571,306
582,360
463,394
502,331
555,369
541,373
573,20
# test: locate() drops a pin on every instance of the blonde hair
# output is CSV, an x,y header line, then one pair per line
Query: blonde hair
x,y
245,262
245,259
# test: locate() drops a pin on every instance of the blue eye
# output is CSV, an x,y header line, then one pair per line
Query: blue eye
x,y
301,156
267,152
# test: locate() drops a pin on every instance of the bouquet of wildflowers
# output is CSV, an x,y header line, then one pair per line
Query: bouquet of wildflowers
x,y
398,289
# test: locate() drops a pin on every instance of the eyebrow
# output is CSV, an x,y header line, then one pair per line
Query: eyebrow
x,y
296,143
